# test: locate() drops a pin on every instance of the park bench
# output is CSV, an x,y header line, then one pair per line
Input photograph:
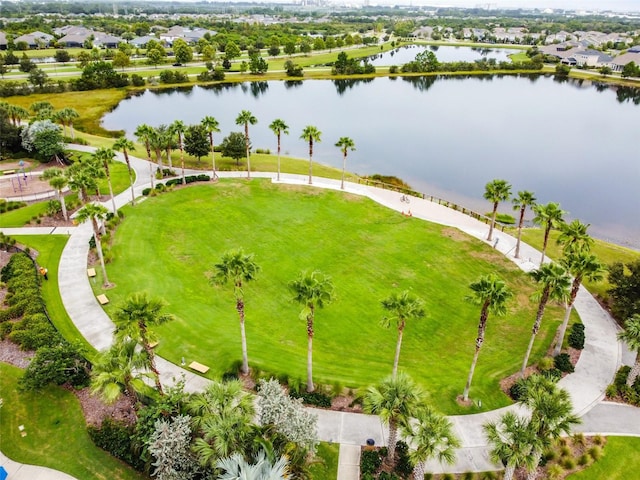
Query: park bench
x,y
102,298
91,272
198,367
8,172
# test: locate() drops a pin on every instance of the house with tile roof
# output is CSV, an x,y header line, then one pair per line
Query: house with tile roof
x,y
35,39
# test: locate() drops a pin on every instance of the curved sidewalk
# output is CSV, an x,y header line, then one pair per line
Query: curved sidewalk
x,y
23,471
594,371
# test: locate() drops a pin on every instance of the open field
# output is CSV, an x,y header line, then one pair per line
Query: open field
x,y
169,244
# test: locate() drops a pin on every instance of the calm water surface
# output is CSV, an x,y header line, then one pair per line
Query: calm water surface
x,y
444,54
572,142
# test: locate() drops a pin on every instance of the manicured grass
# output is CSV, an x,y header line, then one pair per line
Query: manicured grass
x,y
621,458
56,435
327,468
22,216
607,253
49,248
168,245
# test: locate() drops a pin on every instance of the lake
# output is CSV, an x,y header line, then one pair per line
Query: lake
x,y
445,54
570,142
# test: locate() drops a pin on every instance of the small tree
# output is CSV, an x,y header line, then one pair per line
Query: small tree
x,y
196,141
169,444
233,145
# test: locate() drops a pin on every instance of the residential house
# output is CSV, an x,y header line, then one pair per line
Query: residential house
x,y
76,36
592,58
187,34
559,37
141,42
618,63
423,32
35,39
3,41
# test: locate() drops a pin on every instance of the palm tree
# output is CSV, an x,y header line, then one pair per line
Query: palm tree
x,y
240,268
574,237
178,127
17,114
311,290
345,144
237,468
496,191
58,180
133,320
245,118
583,266
95,213
120,370
395,401
158,141
431,435
105,155
126,145
631,335
278,127
66,116
403,307
211,125
551,414
524,199
492,294
311,134
548,216
143,133
513,441
82,178
554,284
222,416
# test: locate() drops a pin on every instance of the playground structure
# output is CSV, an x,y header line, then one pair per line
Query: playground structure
x,y
20,184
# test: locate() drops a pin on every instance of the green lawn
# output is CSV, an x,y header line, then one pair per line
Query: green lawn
x,y
22,216
608,253
621,458
168,245
56,434
327,467
49,248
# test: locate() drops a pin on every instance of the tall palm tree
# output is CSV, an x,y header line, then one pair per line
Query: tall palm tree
x,y
345,144
158,141
524,199
278,127
631,335
143,133
236,467
58,180
554,284
548,216
395,401
574,237
125,145
67,115
551,414
95,213
82,178
492,294
134,319
120,370
513,440
402,307
105,156
311,134
17,114
245,118
496,191
431,436
583,266
311,290
211,125
178,127
239,268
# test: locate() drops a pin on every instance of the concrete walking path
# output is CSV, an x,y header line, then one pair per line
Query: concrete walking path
x,y
22,471
594,371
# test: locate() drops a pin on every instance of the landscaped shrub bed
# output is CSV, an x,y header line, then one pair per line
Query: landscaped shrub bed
x,y
161,187
371,463
576,337
7,206
619,390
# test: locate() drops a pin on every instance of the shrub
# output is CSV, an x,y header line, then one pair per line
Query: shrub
x,y
576,337
58,364
146,191
137,80
448,476
518,389
554,374
598,440
555,472
595,452
370,462
545,364
578,439
313,398
569,463
584,460
563,363
403,465
565,451
393,69
115,438
621,376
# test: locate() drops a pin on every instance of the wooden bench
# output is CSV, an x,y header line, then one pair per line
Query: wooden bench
x,y
91,272
198,367
154,344
102,298
8,172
